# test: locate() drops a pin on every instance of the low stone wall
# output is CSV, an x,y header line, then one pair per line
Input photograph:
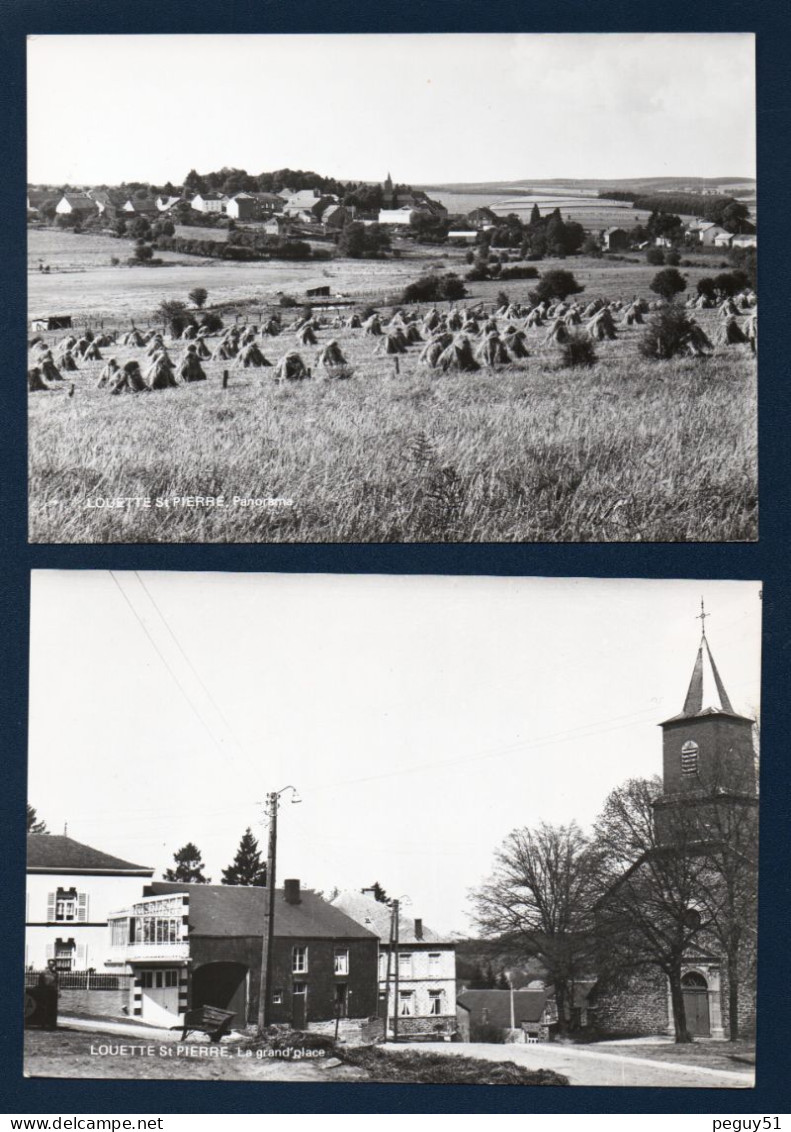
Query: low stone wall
x,y
109,1002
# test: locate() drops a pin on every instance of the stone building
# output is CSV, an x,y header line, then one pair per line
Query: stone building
x,y
707,811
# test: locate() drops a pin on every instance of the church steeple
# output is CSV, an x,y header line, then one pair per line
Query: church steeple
x,y
708,746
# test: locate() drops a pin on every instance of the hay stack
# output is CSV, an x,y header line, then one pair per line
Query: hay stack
x,y
534,318
67,362
373,325
159,374
471,326
251,357
458,355
354,322
306,335
455,320
492,351
602,326
633,316
133,337
728,309
93,353
730,333
225,350
697,342
291,368
129,380
394,342
515,343
35,381
154,345
201,349
104,340
558,332
272,328
190,368
81,345
248,336
189,332
108,374
67,343
413,335
431,319
331,356
49,371
430,353
572,318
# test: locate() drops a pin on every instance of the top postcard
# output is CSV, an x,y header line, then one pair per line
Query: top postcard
x,y
392,288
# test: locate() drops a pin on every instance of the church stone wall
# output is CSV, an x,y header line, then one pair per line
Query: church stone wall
x,y
634,1004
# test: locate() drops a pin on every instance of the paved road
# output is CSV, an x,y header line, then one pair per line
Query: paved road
x,y
588,1067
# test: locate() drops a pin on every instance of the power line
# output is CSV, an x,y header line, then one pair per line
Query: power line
x,y
191,666
498,752
162,657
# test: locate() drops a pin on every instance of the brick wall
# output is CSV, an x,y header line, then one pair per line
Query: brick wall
x,y
109,1002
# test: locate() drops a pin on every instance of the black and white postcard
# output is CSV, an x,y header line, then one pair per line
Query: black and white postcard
x,y
350,289
397,829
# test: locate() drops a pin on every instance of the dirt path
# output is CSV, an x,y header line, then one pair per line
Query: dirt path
x,y
586,1067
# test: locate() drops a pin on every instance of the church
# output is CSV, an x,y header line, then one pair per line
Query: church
x,y
694,888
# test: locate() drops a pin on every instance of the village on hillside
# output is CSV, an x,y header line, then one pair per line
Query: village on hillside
x,y
650,951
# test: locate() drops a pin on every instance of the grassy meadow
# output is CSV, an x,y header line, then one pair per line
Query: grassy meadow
x,y
627,450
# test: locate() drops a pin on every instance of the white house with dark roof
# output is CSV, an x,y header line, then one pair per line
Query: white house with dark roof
x,y
79,203
71,890
425,997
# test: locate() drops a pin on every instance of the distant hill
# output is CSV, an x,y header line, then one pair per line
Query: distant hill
x,y
593,185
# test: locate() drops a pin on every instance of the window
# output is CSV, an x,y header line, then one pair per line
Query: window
x,y
66,909
299,988
405,964
299,960
434,959
277,997
65,954
689,758
171,978
435,1002
406,1003
342,962
119,932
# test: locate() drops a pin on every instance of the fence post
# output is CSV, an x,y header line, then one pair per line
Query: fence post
x,y
88,980
225,379
397,366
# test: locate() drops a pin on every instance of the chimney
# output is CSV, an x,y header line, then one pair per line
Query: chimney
x,y
291,891
418,929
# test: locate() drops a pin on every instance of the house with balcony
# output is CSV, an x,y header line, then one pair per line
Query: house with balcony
x,y
71,890
191,945
424,998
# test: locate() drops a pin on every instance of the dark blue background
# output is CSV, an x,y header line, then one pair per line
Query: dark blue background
x,y
766,560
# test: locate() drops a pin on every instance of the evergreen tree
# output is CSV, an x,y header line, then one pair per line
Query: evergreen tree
x,y
247,867
379,893
535,217
33,823
189,866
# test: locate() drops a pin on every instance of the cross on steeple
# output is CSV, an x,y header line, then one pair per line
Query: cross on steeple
x,y
702,618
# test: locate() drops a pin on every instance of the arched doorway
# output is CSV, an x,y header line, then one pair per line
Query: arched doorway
x,y
223,985
696,1004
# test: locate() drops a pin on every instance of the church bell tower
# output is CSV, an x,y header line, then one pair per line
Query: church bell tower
x,y
707,749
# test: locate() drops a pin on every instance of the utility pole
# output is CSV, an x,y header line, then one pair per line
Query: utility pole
x,y
395,953
265,987
268,933
391,944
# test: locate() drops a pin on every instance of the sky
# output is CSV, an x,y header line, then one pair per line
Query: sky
x,y
421,719
428,108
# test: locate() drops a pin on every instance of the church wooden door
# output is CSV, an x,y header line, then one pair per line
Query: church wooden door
x,y
696,1005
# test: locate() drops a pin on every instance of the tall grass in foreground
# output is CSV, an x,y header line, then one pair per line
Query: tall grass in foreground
x,y
626,450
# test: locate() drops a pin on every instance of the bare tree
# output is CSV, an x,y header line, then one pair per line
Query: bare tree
x,y
539,901
653,878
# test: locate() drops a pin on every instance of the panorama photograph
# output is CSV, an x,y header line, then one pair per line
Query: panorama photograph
x,y
512,839
379,297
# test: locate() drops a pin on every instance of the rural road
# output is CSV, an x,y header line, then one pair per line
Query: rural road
x,y
589,1067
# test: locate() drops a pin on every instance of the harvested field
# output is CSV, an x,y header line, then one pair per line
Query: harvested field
x,y
413,1067
626,450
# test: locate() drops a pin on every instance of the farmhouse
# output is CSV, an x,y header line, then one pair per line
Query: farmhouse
x,y
481,218
615,240
303,203
425,997
135,206
745,241
189,945
709,234
209,202
709,786
532,1012
253,206
335,216
79,204
401,215
71,890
